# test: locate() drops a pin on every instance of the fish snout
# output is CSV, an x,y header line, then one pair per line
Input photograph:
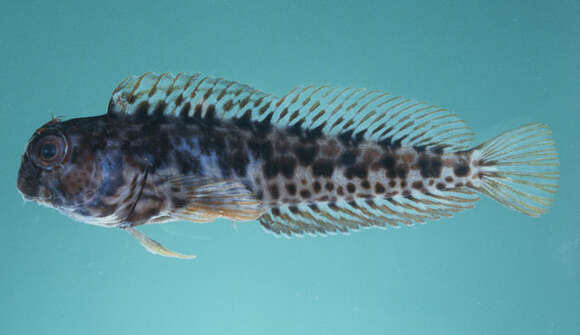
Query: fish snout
x,y
28,180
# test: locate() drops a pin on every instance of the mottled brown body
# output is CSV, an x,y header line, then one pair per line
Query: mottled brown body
x,y
318,160
330,169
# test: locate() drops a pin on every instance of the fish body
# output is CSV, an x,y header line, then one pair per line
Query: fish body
x,y
318,160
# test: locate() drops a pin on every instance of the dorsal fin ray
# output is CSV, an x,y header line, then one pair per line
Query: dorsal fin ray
x,y
372,115
188,94
362,113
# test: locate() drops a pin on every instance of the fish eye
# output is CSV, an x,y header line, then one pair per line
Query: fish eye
x,y
49,150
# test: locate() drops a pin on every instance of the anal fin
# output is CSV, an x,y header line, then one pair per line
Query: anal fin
x,y
343,217
208,199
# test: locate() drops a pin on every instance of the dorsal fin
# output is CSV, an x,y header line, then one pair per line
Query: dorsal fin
x,y
188,94
359,113
372,115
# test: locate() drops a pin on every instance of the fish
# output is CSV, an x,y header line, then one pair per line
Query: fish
x,y
320,160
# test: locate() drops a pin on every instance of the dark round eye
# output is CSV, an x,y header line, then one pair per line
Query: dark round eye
x,y
49,150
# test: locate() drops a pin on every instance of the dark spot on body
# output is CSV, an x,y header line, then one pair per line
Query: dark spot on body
x,y
317,187
260,148
295,130
365,184
305,194
274,192
329,186
349,138
429,167
347,158
339,190
323,168
440,186
311,135
264,127
305,154
160,108
350,188
379,188
417,185
388,162
397,143
392,183
402,171
244,122
185,110
388,142
197,112
403,183
270,169
142,109
291,188
188,163
287,166
210,115
449,179
240,163
461,170
358,170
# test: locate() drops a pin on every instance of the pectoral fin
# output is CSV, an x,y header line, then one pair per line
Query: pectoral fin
x,y
155,247
209,199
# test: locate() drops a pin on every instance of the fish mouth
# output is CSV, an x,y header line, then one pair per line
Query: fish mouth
x,y
44,196
28,182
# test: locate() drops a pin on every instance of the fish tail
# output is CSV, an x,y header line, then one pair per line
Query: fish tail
x,y
519,168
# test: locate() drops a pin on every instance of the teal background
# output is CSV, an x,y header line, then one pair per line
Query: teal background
x,y
498,64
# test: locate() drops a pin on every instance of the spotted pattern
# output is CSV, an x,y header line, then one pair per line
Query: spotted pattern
x,y
280,166
344,168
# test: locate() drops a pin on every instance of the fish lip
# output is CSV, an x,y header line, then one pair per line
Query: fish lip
x,y
46,199
25,196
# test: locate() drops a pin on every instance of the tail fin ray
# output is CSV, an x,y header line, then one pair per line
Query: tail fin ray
x,y
520,168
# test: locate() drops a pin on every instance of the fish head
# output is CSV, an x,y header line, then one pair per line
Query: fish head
x,y
61,167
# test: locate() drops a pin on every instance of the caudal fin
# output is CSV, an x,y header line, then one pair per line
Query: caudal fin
x,y
520,168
